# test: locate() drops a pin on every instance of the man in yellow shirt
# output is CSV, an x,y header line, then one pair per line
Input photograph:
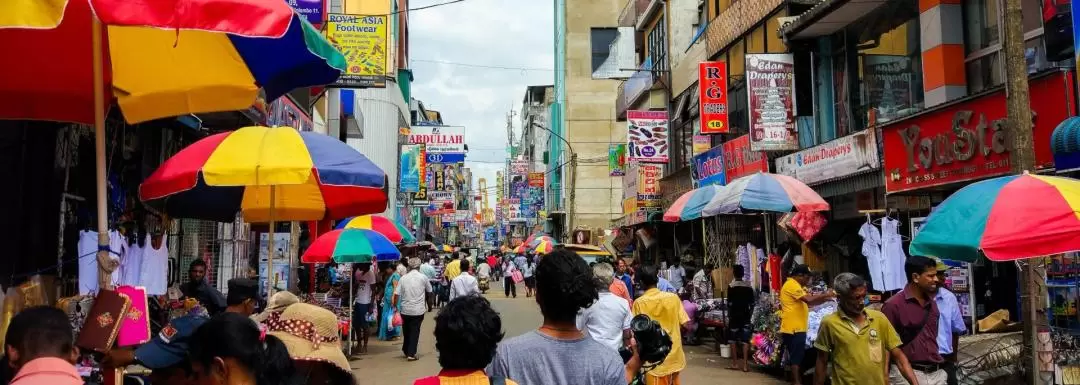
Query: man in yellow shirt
x,y
453,269
666,309
858,341
794,317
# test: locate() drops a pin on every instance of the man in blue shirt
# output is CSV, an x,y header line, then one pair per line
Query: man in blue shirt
x,y
950,324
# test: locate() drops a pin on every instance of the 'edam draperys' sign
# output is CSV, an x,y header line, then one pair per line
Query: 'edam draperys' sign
x,y
712,89
770,84
970,140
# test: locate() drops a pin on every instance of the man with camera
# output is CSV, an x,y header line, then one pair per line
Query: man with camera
x,y
667,311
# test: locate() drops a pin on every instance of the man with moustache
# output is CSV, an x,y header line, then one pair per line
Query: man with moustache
x,y
914,315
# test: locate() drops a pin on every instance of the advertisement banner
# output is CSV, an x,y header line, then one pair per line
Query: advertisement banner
x,y
770,82
649,185
630,180
514,214
712,97
629,205
708,168
363,41
519,167
445,158
845,156
439,139
889,86
969,140
536,179
411,160
701,144
647,136
312,10
283,112
740,161
616,159
441,202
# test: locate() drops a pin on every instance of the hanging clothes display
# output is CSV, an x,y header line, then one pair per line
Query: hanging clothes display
x,y
88,263
776,273
871,249
892,254
154,271
131,265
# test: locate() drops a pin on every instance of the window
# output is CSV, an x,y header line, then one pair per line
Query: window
x,y
657,45
889,65
738,117
983,31
601,39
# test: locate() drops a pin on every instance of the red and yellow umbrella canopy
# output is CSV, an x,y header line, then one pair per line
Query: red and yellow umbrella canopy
x,y
393,230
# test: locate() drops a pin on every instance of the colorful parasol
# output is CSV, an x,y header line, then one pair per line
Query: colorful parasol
x,y
689,205
393,230
520,249
160,59
351,246
764,192
1000,217
539,239
545,246
313,176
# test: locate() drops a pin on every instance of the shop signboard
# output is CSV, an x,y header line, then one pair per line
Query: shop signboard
x,y
616,159
969,140
536,179
712,97
419,198
629,205
701,144
648,193
770,82
647,136
439,139
630,180
708,168
412,159
514,211
441,202
519,167
848,155
363,40
889,86
283,112
740,161
312,10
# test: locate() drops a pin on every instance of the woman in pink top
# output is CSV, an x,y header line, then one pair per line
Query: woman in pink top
x,y
41,347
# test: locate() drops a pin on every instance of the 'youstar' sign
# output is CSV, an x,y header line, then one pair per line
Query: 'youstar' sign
x,y
439,139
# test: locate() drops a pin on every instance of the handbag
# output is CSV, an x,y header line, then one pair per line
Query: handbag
x,y
516,275
103,322
135,322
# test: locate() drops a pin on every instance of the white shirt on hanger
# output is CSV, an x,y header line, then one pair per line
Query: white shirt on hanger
x,y
131,266
88,264
871,249
154,270
892,254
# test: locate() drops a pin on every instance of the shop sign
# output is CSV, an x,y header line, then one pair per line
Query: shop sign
x,y
419,198
888,82
629,205
969,140
712,97
630,180
702,143
439,139
648,195
708,168
845,156
412,161
519,167
365,40
283,112
647,136
312,10
770,82
514,213
740,161
536,179
616,159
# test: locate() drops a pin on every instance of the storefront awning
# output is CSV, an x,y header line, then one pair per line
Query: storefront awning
x,y
828,17
1065,144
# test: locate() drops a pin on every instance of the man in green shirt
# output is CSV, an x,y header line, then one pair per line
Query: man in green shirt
x,y
857,341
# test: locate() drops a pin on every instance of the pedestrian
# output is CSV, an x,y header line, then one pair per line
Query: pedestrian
x,y
278,302
411,296
701,284
950,323
740,302
229,349
465,284
558,352
166,355
453,268
519,261
364,280
197,288
40,347
618,288
527,273
243,296
622,272
795,305
387,330
439,284
608,319
509,286
663,284
666,309
859,342
915,316
467,332
676,272
321,363
493,263
483,271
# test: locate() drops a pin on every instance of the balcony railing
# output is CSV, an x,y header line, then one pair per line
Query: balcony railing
x,y
632,11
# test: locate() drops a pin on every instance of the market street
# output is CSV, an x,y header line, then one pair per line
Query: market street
x,y
384,365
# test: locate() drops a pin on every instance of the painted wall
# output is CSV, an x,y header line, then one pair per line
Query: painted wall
x,y
379,114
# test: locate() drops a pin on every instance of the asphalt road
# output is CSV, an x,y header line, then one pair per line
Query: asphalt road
x,y
384,363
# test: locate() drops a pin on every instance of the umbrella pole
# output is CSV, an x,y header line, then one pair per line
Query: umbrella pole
x,y
270,275
105,267
352,319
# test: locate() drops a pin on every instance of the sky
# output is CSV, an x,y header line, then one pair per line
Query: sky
x,y
451,47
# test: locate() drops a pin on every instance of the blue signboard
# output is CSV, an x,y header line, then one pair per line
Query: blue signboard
x,y
312,10
445,158
708,167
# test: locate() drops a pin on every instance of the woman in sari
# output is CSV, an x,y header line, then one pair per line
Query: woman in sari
x,y
386,331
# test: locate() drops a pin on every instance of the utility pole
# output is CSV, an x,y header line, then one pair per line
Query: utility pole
x,y
1018,104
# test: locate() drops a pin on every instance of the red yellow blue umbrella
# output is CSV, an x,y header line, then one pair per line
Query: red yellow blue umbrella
x,y
392,229
351,246
544,247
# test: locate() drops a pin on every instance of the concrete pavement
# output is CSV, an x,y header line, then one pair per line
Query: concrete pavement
x,y
385,365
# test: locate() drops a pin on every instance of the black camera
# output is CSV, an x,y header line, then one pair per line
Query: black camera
x,y
653,343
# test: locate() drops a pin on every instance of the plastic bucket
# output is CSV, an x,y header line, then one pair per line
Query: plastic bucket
x,y
725,351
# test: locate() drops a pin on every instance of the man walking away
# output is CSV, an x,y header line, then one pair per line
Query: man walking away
x,y
465,284
608,319
914,315
676,273
362,304
794,317
858,341
467,334
950,324
740,306
411,297
40,346
428,269
509,286
666,309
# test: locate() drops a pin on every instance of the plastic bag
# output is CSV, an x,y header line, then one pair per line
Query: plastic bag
x,y
396,321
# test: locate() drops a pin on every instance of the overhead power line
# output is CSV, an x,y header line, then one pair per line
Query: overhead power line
x,y
412,9
490,66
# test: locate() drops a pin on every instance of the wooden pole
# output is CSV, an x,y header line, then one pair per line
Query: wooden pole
x,y
106,265
270,276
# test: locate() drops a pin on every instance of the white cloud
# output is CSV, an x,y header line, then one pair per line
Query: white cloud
x,y
496,33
